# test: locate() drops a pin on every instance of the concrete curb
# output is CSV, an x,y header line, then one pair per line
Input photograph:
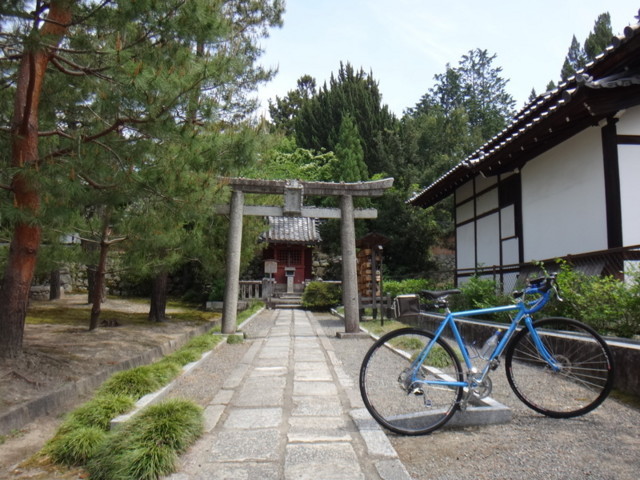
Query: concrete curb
x,y
485,411
158,395
57,401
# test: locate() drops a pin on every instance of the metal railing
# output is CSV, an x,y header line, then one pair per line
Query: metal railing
x,y
616,262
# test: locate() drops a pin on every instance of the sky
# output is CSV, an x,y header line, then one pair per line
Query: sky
x,y
404,43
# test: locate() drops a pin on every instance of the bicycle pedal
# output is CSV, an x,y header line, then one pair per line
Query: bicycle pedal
x,y
417,391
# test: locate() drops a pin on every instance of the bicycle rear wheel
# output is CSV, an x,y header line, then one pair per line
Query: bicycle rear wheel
x,y
402,408
584,379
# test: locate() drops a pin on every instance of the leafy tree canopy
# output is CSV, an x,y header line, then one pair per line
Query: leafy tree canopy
x,y
354,93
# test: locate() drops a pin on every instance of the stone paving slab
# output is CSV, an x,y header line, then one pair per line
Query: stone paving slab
x,y
285,412
322,460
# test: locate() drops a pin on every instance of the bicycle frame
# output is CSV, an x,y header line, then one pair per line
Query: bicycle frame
x,y
524,309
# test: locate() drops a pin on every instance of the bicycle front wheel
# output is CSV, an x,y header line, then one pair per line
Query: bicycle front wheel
x,y
389,395
583,377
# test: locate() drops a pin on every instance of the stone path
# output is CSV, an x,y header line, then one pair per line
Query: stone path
x,y
289,411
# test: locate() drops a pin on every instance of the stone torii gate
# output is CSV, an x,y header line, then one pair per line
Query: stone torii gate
x,y
294,192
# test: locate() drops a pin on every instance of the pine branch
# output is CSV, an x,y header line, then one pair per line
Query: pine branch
x,y
51,133
78,70
100,6
96,185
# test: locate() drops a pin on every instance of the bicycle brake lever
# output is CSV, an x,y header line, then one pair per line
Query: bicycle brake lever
x,y
555,289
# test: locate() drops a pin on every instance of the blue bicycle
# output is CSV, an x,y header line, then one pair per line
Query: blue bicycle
x,y
412,381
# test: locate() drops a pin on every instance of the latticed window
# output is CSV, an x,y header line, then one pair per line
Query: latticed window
x,y
290,257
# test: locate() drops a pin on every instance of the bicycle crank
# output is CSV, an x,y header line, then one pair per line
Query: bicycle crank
x,y
482,390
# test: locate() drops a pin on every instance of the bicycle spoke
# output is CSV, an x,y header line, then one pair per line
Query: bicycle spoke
x,y
403,402
577,380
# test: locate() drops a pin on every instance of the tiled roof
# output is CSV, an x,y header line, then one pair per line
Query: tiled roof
x,y
301,230
594,93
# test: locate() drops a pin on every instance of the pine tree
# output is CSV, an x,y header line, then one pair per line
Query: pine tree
x,y
107,86
350,92
574,61
283,111
350,166
599,38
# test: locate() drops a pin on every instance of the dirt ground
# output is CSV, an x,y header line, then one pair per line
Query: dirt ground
x,y
56,354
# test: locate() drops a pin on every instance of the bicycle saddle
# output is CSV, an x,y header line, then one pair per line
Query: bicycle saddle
x,y
436,294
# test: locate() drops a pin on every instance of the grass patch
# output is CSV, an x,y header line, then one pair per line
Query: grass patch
x,y
202,343
79,315
152,440
389,325
76,446
235,339
253,308
147,447
98,412
243,315
140,381
183,356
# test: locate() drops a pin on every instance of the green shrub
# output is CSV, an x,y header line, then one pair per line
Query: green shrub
x,y
147,447
480,293
393,288
605,303
321,296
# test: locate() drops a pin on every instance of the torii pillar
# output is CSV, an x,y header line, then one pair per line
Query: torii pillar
x,y
293,191
349,266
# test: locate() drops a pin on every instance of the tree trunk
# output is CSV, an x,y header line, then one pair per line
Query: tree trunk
x,y
98,285
54,285
99,273
93,290
25,242
157,311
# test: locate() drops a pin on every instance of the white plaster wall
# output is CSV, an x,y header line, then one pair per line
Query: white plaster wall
x,y
464,212
489,240
510,252
464,192
465,249
483,183
508,221
563,200
629,164
487,201
629,122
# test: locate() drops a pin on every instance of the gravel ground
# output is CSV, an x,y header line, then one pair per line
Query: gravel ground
x,y
204,381
604,444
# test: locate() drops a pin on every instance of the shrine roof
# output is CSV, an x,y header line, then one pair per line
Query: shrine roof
x,y
300,230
